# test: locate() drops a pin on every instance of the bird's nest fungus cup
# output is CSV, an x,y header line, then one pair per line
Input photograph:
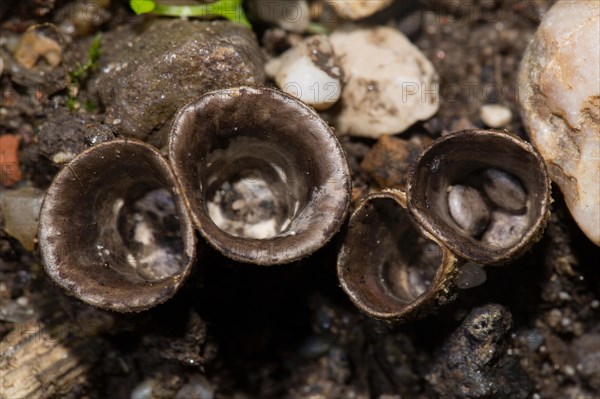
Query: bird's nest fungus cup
x,y
389,267
265,178
485,194
114,230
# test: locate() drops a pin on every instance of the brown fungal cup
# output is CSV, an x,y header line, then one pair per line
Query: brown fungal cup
x,y
114,231
389,267
484,193
266,179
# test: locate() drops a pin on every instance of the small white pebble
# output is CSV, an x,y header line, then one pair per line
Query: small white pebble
x,y
595,304
309,72
495,115
143,390
569,370
62,157
564,296
22,301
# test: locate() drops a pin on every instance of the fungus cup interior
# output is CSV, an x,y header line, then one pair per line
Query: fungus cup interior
x,y
458,159
386,265
113,230
266,179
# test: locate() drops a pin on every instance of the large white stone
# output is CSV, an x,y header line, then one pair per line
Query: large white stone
x,y
389,83
559,85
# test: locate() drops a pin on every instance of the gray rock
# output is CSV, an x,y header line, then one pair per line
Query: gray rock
x,y
476,362
144,80
62,136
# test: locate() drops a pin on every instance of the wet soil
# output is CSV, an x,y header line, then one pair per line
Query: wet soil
x,y
532,330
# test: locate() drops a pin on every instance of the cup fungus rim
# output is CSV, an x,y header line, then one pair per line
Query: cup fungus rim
x,y
442,281
493,257
48,230
255,251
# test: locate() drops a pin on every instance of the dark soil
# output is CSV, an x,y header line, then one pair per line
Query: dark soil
x,y
243,331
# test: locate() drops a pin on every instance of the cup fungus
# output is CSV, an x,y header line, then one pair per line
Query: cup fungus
x,y
266,179
389,267
114,231
484,193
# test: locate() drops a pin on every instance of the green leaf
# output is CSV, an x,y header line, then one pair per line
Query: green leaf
x,y
230,9
142,6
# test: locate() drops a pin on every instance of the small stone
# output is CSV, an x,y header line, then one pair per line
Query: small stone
x,y
389,84
145,79
495,115
314,347
564,296
62,136
198,386
98,133
475,360
144,389
10,169
534,339
308,71
22,301
62,157
569,370
559,83
390,159
33,45
83,17
504,190
468,209
21,208
357,9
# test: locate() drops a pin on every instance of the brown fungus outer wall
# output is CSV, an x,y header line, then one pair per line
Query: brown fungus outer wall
x,y
316,167
80,205
380,224
451,159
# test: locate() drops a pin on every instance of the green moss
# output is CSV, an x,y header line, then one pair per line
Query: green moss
x,y
80,73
